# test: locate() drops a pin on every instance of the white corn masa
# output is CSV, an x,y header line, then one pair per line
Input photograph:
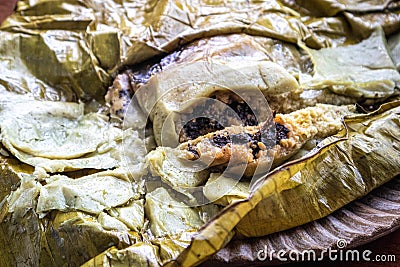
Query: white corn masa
x,y
307,124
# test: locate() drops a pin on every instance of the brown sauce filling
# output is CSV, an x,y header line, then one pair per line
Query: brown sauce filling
x,y
281,132
241,139
199,126
221,140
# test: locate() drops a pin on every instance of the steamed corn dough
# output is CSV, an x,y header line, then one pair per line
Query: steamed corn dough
x,y
361,71
58,136
168,92
218,148
367,151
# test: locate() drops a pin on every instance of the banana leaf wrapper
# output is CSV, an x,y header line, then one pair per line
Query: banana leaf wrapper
x,y
156,253
59,137
338,74
394,45
340,170
331,8
11,168
333,175
61,220
63,238
362,23
364,69
173,225
50,62
92,29
75,228
69,51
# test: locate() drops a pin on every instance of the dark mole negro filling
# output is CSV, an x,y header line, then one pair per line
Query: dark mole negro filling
x,y
222,139
202,125
281,132
241,138
194,151
199,126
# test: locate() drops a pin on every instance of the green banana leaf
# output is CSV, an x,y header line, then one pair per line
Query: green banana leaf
x,y
10,173
76,227
364,69
363,23
331,8
59,137
52,64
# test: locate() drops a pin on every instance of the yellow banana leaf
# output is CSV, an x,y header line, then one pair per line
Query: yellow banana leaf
x,y
340,170
70,50
331,7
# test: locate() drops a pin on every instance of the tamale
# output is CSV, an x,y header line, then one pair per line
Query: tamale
x,y
367,141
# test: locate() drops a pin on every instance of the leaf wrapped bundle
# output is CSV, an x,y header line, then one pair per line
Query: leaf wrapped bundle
x,y
104,215
340,170
58,136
